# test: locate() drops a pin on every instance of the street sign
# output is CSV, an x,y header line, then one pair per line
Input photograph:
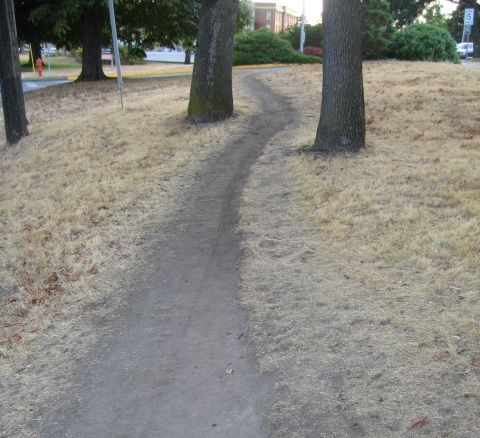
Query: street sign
x,y
467,29
468,19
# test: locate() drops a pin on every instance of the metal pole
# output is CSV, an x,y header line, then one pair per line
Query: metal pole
x,y
302,28
466,50
115,48
49,47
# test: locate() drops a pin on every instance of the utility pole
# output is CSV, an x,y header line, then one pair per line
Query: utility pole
x,y
302,29
10,77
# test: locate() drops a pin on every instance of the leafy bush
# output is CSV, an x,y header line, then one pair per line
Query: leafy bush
x,y
265,47
313,51
423,42
313,35
130,57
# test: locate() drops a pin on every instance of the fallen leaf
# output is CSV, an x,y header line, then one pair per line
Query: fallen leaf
x,y
16,337
436,160
93,269
476,363
230,371
417,422
53,278
12,299
9,324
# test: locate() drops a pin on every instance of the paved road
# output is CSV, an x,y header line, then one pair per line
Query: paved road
x,y
167,56
29,85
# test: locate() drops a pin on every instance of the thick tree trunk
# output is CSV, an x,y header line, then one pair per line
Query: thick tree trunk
x,y
10,78
188,56
211,97
342,116
93,19
37,52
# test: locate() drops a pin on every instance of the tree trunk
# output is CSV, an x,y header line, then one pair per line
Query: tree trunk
x,y
342,116
93,19
37,53
10,78
211,97
188,55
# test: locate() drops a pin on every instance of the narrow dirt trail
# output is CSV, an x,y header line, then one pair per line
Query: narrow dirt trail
x,y
166,371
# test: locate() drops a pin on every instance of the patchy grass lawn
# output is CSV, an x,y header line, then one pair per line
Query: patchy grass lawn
x,y
75,199
362,276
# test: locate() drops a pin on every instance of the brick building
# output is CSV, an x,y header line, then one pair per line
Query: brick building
x,y
274,16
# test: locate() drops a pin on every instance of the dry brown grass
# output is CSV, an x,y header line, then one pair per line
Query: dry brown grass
x,y
372,319
76,197
362,276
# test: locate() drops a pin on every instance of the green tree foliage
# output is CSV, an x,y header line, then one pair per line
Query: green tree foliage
x,y
423,42
313,35
245,16
265,47
405,12
166,22
84,23
377,27
433,15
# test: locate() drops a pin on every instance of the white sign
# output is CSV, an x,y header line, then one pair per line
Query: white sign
x,y
469,14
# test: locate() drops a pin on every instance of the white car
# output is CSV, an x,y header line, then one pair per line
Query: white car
x,y
465,49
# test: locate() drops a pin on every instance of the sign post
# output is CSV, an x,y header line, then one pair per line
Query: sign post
x,y
115,48
467,27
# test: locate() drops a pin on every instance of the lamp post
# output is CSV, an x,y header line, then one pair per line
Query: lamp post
x,y
302,29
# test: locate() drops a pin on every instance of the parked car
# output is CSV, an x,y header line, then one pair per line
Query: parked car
x,y
465,49
49,48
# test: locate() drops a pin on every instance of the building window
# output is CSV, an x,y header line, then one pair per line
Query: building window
x,y
269,15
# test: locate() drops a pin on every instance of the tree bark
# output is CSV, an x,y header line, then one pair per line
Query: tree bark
x,y
93,19
211,96
342,117
10,78
188,55
37,53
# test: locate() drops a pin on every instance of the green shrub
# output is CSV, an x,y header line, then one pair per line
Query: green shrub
x,y
265,47
423,42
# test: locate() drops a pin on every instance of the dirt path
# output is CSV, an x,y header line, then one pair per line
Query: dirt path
x,y
166,369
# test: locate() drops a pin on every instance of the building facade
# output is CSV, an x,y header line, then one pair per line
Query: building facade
x,y
274,16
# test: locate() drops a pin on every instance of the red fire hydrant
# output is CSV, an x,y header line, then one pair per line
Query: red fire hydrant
x,y
38,64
